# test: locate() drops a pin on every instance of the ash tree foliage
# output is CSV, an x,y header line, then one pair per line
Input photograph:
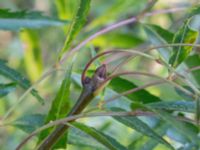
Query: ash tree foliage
x,y
100,75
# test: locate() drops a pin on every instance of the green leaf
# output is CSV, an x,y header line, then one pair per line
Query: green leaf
x,y
184,35
175,135
195,10
119,85
114,12
23,19
193,61
184,95
59,108
184,106
184,128
140,126
151,144
117,40
6,89
189,146
19,79
29,123
32,52
77,23
65,8
160,32
159,36
147,143
83,140
102,138
198,110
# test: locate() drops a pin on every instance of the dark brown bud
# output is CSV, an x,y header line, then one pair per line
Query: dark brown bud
x,y
86,80
101,71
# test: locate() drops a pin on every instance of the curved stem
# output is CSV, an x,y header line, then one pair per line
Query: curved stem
x,y
74,117
102,114
163,80
149,75
131,91
193,69
182,77
115,26
109,52
133,52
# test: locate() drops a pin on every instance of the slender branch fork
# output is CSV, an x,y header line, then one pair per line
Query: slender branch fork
x,y
143,73
87,66
103,31
131,51
132,113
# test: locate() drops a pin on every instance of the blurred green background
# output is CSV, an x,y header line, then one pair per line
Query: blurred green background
x,y
33,51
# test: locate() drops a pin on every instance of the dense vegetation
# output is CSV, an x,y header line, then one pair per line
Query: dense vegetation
x,y
134,66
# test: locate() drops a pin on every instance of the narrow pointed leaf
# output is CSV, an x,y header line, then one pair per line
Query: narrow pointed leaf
x,y
184,128
184,106
59,108
22,19
15,76
193,61
198,110
29,123
140,126
102,138
184,95
151,144
6,89
146,143
119,85
184,35
77,23
81,139
159,36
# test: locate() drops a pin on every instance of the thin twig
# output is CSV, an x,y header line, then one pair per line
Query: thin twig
x,y
114,26
109,52
138,88
150,75
182,77
132,91
102,114
74,117
193,69
134,52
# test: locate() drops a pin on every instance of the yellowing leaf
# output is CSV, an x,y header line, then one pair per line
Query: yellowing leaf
x,y
185,35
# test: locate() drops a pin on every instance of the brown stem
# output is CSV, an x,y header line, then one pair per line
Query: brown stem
x,y
89,88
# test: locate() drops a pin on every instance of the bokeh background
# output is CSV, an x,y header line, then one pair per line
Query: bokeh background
x,y
33,51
